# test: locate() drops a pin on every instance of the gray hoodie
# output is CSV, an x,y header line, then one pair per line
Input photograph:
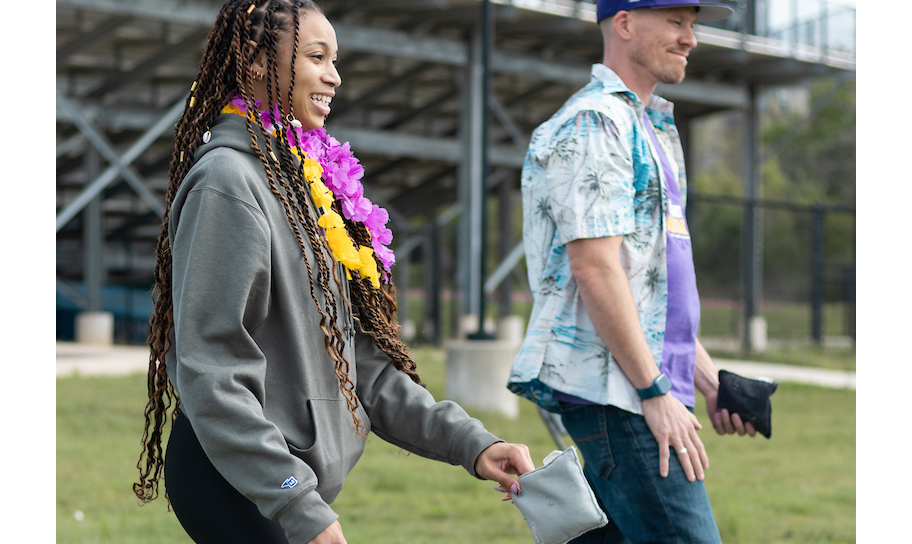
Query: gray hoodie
x,y
248,358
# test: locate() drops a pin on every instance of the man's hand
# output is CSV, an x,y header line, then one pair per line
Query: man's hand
x,y
499,460
706,379
674,426
723,422
330,535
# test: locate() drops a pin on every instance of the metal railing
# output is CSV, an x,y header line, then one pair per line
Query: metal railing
x,y
811,23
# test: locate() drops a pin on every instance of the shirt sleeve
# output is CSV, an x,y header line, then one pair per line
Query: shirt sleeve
x,y
590,178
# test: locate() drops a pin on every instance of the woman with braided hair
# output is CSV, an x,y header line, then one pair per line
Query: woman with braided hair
x,y
274,341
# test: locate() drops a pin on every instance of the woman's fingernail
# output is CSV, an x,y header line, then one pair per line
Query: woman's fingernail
x,y
515,489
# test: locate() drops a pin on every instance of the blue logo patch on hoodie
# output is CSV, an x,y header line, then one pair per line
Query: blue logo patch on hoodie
x,y
289,483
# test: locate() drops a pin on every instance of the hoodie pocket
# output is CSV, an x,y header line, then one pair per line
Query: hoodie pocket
x,y
336,446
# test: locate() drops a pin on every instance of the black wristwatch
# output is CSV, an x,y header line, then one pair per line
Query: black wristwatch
x,y
660,386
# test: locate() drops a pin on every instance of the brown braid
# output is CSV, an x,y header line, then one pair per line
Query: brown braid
x,y
225,67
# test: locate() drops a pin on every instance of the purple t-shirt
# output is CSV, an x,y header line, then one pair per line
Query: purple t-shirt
x,y
683,314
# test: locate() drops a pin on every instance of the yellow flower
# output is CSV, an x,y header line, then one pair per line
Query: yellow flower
x,y
232,109
312,170
322,196
331,220
368,268
342,247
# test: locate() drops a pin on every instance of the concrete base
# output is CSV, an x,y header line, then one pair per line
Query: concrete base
x,y
407,332
477,373
758,332
511,329
95,328
758,335
468,324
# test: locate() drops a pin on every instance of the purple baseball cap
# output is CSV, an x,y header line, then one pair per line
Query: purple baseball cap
x,y
706,11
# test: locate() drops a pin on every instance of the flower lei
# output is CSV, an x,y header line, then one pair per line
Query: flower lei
x,y
334,173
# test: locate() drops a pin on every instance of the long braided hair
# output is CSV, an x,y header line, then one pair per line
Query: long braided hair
x,y
241,32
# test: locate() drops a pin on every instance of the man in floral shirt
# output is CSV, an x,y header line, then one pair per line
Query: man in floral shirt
x,y
611,343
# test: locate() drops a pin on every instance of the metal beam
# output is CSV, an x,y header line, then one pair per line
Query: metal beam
x,y
421,147
505,267
120,165
705,93
433,104
506,121
374,93
401,44
194,40
82,42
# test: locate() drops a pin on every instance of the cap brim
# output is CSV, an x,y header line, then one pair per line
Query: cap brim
x,y
707,11
714,12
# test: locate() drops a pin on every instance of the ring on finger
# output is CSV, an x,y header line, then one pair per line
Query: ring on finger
x,y
682,451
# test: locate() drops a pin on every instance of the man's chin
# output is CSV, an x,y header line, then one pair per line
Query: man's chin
x,y
673,79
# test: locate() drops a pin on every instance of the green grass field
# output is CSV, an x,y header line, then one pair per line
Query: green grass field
x,y
798,487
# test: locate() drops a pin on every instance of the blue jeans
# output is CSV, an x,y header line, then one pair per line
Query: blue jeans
x,y
621,462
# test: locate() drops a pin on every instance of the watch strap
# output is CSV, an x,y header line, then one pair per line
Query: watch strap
x,y
660,386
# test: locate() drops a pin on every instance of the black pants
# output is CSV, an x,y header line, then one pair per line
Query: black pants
x,y
207,506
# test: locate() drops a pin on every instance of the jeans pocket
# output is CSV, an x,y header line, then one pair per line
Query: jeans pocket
x,y
588,428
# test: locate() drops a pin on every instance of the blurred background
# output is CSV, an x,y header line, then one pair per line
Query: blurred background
x,y
767,113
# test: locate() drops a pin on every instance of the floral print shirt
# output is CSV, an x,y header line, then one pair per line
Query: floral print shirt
x,y
591,172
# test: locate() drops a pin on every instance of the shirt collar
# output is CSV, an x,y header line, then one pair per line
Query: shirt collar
x,y
613,84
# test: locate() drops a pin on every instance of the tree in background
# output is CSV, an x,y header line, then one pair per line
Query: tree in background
x,y
809,142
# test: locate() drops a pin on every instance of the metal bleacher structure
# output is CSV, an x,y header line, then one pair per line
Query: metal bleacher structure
x,y
413,107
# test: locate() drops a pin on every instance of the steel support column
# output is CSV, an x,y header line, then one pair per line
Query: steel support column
x,y
93,275
752,230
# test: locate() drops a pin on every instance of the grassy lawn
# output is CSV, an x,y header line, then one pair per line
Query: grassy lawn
x,y
833,358
787,323
784,320
798,487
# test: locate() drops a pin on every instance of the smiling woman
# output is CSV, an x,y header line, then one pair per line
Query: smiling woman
x,y
274,334
313,67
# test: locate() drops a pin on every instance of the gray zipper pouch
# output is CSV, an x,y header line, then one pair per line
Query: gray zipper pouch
x,y
556,500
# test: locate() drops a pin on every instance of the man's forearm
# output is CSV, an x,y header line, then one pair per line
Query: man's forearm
x,y
605,292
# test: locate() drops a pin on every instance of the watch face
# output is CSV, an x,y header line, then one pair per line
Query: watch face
x,y
660,386
664,384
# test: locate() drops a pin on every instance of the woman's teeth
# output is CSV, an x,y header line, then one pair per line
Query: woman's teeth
x,y
321,99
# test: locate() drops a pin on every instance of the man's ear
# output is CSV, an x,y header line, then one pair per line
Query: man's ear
x,y
622,25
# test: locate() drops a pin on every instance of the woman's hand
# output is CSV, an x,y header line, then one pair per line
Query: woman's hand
x,y
499,460
330,535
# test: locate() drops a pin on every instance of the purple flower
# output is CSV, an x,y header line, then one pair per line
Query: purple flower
x,y
376,224
386,255
312,145
238,102
356,207
342,173
271,121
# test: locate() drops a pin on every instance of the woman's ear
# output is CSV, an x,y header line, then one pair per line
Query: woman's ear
x,y
258,64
